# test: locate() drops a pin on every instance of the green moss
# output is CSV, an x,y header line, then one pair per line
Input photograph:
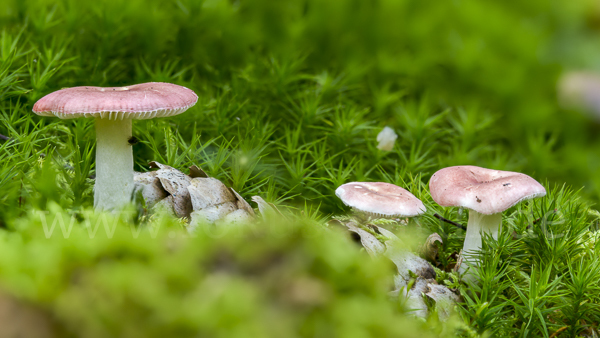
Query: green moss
x,y
265,281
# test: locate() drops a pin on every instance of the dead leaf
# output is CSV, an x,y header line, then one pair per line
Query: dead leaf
x,y
211,214
267,210
395,250
407,261
157,165
182,204
195,171
459,262
263,206
150,187
209,192
173,180
371,244
404,259
415,303
166,205
242,204
236,218
444,299
429,250
175,183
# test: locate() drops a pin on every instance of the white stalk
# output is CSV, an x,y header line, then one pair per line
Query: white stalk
x,y
478,223
114,164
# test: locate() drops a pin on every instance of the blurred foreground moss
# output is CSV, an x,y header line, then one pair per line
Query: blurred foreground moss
x,y
268,280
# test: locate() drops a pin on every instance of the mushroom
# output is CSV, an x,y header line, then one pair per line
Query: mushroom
x,y
380,199
388,201
114,108
486,193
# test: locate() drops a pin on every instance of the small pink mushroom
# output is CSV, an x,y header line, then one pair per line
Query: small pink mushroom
x,y
380,199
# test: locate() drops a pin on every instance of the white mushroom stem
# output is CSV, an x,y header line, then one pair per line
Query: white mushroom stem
x,y
114,164
478,224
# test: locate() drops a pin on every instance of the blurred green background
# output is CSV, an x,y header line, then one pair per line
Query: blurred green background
x,y
298,90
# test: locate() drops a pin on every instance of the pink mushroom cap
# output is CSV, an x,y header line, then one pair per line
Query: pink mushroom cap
x,y
381,199
140,101
486,191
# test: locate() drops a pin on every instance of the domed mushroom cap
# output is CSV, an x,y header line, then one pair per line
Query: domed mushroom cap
x,y
486,191
141,101
379,198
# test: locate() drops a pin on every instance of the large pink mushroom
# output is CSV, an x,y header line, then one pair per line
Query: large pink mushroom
x,y
114,108
486,193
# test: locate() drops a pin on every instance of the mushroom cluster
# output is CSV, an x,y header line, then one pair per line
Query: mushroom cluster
x,y
485,192
205,200
197,197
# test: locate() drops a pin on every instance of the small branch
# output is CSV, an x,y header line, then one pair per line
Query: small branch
x,y
4,138
449,221
539,219
558,331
